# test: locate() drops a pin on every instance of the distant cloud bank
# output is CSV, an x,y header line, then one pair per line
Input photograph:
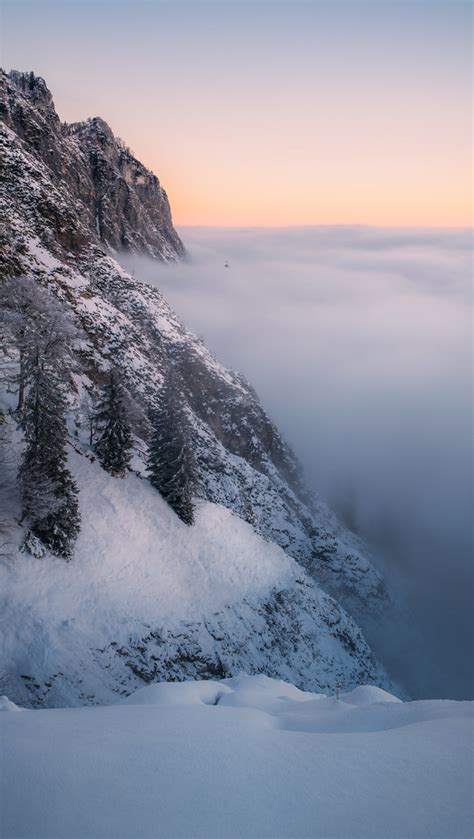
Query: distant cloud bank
x,y
358,341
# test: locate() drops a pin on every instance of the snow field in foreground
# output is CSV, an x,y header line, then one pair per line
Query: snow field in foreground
x,y
245,757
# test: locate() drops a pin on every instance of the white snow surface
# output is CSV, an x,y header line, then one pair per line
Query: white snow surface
x,y
135,564
7,705
245,757
146,597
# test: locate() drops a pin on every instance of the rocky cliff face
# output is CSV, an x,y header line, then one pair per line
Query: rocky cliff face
x,y
118,202
69,195
130,207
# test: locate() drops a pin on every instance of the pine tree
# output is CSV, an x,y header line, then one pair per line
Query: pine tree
x,y
39,334
170,463
7,504
49,493
32,320
114,446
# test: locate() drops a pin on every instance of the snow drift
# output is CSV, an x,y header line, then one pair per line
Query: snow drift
x,y
247,757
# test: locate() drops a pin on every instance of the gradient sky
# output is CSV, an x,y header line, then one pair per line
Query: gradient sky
x,y
270,113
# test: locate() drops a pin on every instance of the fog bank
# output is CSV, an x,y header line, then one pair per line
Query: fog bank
x,y
358,343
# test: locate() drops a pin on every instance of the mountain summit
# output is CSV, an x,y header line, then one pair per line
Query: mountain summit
x,y
115,199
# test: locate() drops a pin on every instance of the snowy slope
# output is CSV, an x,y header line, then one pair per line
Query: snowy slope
x,y
148,598
249,757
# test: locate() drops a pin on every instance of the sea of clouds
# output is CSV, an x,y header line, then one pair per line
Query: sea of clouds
x,y
358,342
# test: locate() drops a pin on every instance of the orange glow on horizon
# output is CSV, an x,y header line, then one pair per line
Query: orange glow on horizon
x,y
271,114
408,201
448,212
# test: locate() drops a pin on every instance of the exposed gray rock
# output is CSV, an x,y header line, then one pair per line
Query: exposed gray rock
x,y
121,203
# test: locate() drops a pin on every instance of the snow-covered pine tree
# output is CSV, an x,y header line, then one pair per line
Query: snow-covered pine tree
x,y
7,486
114,445
170,464
49,493
38,334
21,305
32,320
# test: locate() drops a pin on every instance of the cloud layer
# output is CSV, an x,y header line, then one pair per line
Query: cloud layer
x,y
358,343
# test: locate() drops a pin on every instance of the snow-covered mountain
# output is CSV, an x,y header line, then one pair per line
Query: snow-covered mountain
x,y
146,598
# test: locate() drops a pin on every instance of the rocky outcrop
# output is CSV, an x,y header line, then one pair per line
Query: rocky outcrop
x,y
130,207
119,203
